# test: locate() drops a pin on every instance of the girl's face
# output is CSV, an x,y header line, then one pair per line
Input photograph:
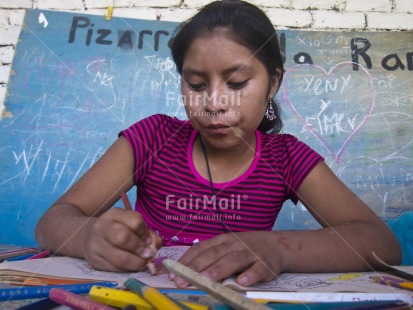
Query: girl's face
x,y
225,90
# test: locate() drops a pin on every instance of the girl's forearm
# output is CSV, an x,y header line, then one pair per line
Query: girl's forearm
x,y
347,247
61,229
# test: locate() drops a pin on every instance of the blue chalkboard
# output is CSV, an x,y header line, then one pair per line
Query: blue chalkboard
x,y
78,79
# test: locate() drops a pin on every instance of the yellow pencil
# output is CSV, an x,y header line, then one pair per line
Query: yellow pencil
x,y
406,285
151,295
394,282
117,298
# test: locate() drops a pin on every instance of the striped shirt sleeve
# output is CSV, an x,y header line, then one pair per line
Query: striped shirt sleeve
x,y
298,161
145,138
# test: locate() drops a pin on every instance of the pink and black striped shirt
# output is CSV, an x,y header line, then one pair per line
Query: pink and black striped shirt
x,y
177,202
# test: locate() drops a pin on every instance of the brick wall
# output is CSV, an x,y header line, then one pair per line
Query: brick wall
x,y
361,15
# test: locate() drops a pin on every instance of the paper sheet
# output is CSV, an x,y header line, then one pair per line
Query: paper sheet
x,y
406,272
70,267
295,282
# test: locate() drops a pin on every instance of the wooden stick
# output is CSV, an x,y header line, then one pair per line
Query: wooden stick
x,y
220,292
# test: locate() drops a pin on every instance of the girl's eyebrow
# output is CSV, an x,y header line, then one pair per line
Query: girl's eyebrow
x,y
239,68
227,71
192,71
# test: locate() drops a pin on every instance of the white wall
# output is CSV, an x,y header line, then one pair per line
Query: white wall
x,y
361,15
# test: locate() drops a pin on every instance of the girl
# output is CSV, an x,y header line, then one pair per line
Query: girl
x,y
217,181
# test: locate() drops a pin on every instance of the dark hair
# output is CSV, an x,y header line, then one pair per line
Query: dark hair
x,y
250,26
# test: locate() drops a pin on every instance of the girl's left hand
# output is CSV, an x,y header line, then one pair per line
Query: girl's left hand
x,y
252,254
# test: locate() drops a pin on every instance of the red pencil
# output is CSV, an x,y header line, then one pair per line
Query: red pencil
x,y
40,255
75,301
126,203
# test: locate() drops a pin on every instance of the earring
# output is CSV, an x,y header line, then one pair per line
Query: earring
x,y
270,113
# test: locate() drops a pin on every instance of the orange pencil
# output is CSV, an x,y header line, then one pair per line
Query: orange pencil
x,y
126,201
128,206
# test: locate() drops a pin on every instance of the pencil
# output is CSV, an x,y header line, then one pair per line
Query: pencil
x,y
126,201
215,289
75,301
40,255
394,282
128,206
17,293
118,298
151,295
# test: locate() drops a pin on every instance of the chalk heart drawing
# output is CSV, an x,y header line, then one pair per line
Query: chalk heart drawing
x,y
332,105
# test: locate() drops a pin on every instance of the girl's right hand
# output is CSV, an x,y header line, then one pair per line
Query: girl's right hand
x,y
119,241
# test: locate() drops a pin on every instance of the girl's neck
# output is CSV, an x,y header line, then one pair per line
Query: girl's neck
x,y
224,164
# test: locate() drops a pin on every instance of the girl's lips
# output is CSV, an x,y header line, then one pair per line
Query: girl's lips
x,y
218,128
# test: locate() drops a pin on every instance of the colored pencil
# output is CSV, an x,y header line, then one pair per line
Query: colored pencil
x,y
19,257
40,255
151,295
19,293
393,282
126,202
215,289
118,298
7,251
75,301
151,266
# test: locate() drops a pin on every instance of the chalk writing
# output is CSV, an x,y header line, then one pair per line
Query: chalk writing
x,y
78,82
321,117
355,49
124,39
320,86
